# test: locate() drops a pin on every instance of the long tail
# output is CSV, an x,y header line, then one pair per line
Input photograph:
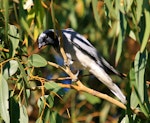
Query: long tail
x,y
117,92
100,74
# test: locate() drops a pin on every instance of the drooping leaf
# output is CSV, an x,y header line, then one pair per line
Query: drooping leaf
x,y
23,19
4,102
96,15
147,30
14,38
14,107
139,66
125,119
119,48
55,117
37,60
111,9
10,69
50,101
23,114
24,82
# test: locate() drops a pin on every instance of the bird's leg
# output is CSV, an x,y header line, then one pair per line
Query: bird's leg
x,y
76,75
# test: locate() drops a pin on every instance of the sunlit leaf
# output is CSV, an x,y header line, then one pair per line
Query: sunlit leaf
x,y
147,30
125,119
40,103
37,60
39,12
119,48
39,120
112,11
139,66
23,114
4,102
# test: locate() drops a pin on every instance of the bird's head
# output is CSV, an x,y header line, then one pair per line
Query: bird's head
x,y
48,37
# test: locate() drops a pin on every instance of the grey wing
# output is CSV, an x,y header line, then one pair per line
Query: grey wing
x,y
83,44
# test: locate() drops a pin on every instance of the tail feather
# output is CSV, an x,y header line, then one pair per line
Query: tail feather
x,y
117,92
100,74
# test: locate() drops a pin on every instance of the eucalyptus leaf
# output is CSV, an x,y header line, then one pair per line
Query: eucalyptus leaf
x,y
52,86
4,102
139,66
10,69
37,60
147,30
23,114
55,117
96,15
14,38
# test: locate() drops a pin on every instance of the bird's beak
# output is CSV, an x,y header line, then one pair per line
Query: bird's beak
x,y
42,44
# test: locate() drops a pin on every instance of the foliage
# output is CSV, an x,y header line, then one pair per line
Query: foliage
x,y
118,28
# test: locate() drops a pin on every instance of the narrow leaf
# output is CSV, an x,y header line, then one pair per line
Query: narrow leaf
x,y
14,38
96,15
4,103
139,66
147,30
23,114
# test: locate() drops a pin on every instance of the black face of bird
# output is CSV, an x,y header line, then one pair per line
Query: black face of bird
x,y
47,38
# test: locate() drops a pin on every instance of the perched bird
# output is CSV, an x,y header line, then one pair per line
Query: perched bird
x,y
82,54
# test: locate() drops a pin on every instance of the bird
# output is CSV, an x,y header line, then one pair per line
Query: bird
x,y
81,54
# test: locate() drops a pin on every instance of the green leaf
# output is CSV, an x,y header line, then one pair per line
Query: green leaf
x,y
23,114
119,48
5,8
39,12
112,11
24,82
37,61
139,10
39,120
96,15
134,100
40,103
55,117
14,107
139,67
23,20
4,103
125,119
53,86
50,100
10,69
14,38
91,99
147,30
